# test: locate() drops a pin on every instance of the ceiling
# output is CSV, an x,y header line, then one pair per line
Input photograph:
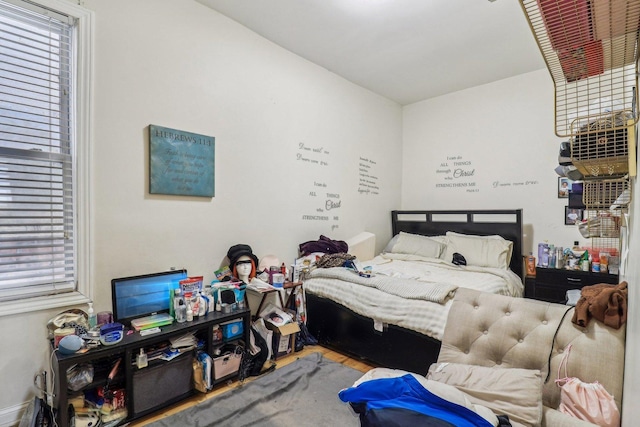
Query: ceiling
x,y
404,50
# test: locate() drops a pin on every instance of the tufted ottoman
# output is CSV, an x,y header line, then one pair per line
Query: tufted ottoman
x,y
504,332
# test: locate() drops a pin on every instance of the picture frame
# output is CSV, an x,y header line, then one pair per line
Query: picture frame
x,y
564,187
572,216
181,163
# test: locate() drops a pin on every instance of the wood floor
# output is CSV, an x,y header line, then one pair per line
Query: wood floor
x,y
221,388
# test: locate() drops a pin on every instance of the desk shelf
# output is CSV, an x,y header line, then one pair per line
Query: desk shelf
x,y
128,373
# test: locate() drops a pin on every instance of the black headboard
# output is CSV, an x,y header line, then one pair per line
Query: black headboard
x,y
505,223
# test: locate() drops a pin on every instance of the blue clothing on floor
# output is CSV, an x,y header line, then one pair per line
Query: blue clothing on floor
x,y
403,401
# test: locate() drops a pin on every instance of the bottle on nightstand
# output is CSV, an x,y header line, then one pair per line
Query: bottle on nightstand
x,y
531,265
559,258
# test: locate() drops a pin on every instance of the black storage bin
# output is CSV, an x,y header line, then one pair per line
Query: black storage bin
x,y
156,386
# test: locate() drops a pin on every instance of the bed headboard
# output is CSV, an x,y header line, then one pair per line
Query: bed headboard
x,y
505,223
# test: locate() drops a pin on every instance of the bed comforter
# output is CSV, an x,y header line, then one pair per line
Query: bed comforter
x,y
408,290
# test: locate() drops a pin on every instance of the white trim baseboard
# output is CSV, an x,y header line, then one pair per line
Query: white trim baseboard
x,y
10,416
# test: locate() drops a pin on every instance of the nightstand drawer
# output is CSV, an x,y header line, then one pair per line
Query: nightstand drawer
x,y
551,293
574,278
552,284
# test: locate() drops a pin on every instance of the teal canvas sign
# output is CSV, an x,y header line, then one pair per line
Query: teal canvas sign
x,y
181,163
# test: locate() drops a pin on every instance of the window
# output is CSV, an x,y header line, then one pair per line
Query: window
x,y
45,72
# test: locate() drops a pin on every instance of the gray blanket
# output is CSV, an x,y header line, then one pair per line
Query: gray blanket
x,y
303,393
405,288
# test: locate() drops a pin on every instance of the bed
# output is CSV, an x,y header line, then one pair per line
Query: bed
x,y
396,318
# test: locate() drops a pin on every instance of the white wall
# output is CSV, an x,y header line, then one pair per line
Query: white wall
x,y
506,131
181,65
501,132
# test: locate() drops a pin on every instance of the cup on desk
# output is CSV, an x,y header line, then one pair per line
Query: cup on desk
x,y
278,280
104,317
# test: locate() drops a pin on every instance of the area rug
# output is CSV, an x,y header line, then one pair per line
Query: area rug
x,y
302,393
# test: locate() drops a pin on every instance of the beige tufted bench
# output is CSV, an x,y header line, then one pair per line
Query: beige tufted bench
x,y
494,330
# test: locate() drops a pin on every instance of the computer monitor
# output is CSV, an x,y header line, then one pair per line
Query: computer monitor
x,y
140,296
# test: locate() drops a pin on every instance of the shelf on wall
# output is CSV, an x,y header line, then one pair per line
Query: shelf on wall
x,y
591,51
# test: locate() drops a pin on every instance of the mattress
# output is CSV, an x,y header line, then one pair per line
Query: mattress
x,y
409,291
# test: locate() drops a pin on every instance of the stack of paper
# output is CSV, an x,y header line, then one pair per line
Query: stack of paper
x,y
187,341
259,285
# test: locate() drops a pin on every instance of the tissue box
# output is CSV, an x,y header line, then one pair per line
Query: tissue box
x,y
232,329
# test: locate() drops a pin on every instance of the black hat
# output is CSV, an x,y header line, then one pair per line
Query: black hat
x,y
458,259
236,251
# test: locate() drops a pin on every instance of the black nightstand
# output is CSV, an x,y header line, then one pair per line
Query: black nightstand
x,y
552,284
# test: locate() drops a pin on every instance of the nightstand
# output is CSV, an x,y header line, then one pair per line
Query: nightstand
x,y
551,284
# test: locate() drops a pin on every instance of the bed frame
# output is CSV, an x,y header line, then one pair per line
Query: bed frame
x,y
341,329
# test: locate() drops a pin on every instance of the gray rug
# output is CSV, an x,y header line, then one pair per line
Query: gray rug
x,y
303,393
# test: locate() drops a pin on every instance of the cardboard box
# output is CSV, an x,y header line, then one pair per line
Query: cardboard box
x,y
284,337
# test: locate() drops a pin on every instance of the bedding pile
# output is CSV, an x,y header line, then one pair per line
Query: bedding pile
x,y
405,288
392,397
413,281
457,393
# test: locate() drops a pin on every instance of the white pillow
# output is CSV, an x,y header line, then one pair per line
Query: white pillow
x,y
481,251
415,244
515,392
391,244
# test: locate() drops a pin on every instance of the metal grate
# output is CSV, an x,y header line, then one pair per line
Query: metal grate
x,y
606,201
601,225
591,50
601,147
606,194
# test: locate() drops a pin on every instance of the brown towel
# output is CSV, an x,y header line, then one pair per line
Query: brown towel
x,y
603,302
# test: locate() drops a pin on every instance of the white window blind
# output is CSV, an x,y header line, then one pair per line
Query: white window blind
x,y
37,221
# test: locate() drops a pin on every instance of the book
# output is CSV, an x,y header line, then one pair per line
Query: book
x,y
153,321
223,274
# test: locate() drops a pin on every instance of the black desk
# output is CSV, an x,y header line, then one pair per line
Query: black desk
x,y
126,350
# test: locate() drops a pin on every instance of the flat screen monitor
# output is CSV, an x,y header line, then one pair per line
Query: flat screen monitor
x,y
139,296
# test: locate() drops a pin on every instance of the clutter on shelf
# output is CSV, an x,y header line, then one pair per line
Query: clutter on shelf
x,y
596,260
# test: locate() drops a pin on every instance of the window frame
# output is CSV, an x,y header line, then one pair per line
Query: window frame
x,y
82,128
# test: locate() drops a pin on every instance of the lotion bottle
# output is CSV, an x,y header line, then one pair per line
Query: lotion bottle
x,y
531,265
141,359
204,304
189,313
181,311
92,317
